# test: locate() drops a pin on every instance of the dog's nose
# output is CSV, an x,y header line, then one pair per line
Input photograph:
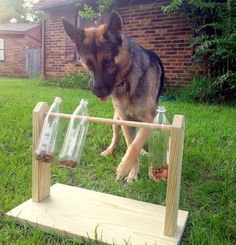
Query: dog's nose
x,y
101,91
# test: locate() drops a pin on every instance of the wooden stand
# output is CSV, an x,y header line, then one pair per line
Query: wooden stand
x,y
78,212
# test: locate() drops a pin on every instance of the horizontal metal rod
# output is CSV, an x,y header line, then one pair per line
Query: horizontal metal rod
x,y
116,122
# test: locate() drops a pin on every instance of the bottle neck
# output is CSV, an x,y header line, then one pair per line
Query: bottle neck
x,y
161,118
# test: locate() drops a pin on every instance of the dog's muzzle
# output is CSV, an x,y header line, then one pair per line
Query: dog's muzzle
x,y
103,91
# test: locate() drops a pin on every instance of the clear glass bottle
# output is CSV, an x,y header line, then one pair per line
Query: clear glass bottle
x,y
75,137
47,140
159,148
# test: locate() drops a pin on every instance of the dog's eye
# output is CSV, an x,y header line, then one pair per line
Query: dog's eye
x,y
107,63
89,64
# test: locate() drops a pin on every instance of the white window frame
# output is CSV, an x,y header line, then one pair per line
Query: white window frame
x,y
79,22
2,50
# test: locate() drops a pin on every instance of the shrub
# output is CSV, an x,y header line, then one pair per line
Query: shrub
x,y
214,46
204,90
199,90
80,80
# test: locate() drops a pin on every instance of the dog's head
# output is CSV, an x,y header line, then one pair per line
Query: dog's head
x,y
98,48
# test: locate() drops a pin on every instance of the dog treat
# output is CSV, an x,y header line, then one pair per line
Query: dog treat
x,y
68,163
159,173
44,157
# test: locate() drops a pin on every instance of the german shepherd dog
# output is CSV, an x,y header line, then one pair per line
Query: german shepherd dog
x,y
132,75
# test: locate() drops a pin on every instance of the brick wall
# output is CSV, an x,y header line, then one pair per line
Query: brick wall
x,y
168,35
14,63
56,63
59,50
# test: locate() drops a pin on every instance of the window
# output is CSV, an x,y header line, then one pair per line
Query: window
x,y
80,25
1,49
70,50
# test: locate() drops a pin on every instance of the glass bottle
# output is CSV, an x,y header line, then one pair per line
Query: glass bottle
x,y
47,140
159,148
75,137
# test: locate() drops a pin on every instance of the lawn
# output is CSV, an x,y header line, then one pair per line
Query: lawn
x,y
208,178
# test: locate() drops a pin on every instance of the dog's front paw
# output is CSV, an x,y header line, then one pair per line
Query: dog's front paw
x,y
108,151
133,174
128,169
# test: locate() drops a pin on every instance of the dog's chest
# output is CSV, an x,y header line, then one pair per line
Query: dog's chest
x,y
127,110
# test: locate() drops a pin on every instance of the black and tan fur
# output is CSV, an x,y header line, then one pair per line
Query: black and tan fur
x,y
132,75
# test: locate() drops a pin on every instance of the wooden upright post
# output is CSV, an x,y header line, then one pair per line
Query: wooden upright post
x,y
174,175
41,172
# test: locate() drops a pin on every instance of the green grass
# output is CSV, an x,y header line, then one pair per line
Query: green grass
x,y
208,178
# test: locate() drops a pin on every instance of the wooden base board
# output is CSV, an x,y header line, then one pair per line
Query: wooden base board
x,y
78,212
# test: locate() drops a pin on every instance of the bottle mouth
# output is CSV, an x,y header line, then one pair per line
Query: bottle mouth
x,y
161,109
58,100
83,101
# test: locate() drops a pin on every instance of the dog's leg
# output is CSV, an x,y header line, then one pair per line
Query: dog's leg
x,y
115,137
129,166
129,134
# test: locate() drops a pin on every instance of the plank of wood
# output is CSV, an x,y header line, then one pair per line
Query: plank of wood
x,y
41,172
174,175
79,212
114,121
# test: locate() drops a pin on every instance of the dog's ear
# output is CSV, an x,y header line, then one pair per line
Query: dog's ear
x,y
76,34
114,28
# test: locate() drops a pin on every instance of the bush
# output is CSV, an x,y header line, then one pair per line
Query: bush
x,y
203,90
80,80
199,90
214,47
